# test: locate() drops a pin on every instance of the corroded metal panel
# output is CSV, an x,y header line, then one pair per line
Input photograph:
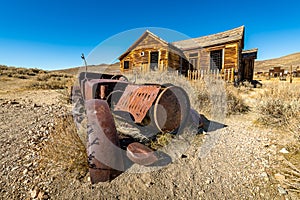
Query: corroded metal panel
x,y
104,153
141,154
137,100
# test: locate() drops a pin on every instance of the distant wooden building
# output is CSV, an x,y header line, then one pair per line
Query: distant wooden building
x,y
222,51
296,73
276,72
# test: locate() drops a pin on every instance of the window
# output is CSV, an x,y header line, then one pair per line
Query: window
x,y
193,55
154,60
193,59
126,64
194,62
216,58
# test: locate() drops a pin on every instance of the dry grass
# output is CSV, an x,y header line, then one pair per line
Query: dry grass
x,y
290,170
161,140
52,80
209,96
18,72
64,152
279,106
37,78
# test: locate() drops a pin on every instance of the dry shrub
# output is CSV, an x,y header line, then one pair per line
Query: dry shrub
x,y
3,67
16,72
279,106
164,78
51,84
52,81
161,140
209,96
64,152
235,102
220,98
290,169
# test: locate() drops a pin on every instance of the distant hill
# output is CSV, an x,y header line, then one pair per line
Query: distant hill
x,y
285,62
112,68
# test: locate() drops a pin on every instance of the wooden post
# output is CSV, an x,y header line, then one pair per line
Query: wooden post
x,y
194,75
232,75
291,74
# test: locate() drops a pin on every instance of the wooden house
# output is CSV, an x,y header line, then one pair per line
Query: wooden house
x,y
150,52
276,72
222,51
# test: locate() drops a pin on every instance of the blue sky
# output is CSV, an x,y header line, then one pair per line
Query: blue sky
x,y
52,34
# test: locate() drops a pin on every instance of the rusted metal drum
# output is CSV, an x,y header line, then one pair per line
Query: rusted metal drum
x,y
171,109
156,108
104,153
141,154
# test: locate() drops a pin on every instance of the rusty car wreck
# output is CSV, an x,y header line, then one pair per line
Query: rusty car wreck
x,y
150,108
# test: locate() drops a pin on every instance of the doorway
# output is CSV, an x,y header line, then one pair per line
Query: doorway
x,y
154,60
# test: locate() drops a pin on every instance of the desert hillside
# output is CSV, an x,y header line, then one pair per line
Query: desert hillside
x,y
284,62
111,68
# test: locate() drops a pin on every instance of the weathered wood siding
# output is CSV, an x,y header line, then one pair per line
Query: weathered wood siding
x,y
204,59
139,57
231,56
174,60
177,61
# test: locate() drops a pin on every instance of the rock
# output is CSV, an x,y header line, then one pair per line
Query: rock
x,y
34,192
209,181
183,156
265,176
14,102
14,168
279,177
281,190
283,150
28,165
202,192
42,195
25,171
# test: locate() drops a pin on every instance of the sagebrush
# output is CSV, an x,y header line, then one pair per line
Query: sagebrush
x,y
64,152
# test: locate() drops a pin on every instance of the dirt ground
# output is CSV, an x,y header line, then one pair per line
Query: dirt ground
x,y
234,162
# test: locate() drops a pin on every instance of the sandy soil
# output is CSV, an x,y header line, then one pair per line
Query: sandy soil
x,y
235,162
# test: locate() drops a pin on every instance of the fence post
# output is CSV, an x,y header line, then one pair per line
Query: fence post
x,y
291,75
232,75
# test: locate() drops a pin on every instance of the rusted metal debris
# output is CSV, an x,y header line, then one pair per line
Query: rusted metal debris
x,y
171,109
156,108
137,100
104,153
141,154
